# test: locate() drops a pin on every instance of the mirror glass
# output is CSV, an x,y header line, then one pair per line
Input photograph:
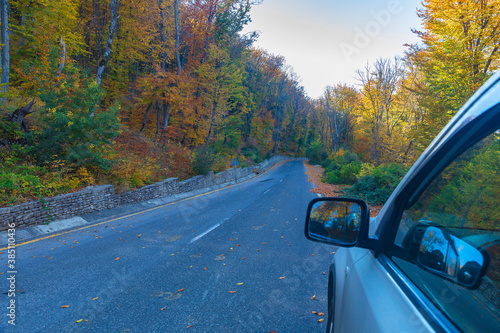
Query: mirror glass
x,y
448,255
336,221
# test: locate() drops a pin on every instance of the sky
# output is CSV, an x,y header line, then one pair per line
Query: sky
x,y
326,41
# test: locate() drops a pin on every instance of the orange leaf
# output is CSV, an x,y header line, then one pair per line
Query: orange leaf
x,y
321,314
163,308
117,259
180,290
65,306
232,291
282,277
321,320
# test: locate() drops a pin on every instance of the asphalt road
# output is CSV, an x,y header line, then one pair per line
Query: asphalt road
x,y
235,260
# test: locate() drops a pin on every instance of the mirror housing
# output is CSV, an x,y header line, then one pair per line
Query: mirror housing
x,y
439,251
338,221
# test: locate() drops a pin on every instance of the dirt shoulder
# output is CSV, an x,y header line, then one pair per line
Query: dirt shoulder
x,y
315,173
328,190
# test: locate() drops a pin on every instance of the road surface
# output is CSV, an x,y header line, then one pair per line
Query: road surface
x,y
234,260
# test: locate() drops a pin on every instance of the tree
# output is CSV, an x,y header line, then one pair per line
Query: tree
x,y
4,12
459,52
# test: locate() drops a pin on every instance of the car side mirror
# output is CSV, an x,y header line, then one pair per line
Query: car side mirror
x,y
338,221
438,251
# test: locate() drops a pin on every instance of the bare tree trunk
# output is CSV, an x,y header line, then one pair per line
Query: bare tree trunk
x,y
63,56
212,120
177,57
112,27
4,12
158,119
166,116
145,120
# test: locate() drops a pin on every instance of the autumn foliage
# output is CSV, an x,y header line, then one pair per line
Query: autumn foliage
x,y
182,86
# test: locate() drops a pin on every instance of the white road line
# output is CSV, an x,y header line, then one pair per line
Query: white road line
x,y
266,191
204,233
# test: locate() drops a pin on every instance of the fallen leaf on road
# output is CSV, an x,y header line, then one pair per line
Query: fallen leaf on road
x,y
189,326
321,314
243,258
139,235
95,298
264,243
232,292
282,277
321,320
65,306
78,321
239,284
314,312
117,259
324,273
204,268
163,308
314,297
180,290
51,257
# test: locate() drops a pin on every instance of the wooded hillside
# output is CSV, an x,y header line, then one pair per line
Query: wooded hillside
x,y
131,92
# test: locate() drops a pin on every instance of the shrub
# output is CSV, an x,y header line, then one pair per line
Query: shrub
x,y
316,153
202,161
252,153
377,186
345,174
68,129
342,167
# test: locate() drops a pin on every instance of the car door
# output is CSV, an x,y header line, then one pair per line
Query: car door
x,y
453,192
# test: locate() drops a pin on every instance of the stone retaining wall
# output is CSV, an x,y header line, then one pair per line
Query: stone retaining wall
x,y
96,198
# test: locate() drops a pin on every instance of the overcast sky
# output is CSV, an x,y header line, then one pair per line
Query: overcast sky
x,y
326,41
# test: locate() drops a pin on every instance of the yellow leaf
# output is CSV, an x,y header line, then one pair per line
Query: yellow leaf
x,y
95,298
65,306
239,284
314,312
321,320
79,321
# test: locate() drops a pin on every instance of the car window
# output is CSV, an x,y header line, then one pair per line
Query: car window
x,y
451,232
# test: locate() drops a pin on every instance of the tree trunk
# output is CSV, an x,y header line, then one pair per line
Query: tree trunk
x,y
166,116
158,119
4,12
112,27
145,120
63,56
177,57
212,120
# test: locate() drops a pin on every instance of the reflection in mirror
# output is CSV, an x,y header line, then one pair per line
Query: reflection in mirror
x,y
333,220
450,256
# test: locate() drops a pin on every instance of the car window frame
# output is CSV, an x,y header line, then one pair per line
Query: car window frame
x,y
405,196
